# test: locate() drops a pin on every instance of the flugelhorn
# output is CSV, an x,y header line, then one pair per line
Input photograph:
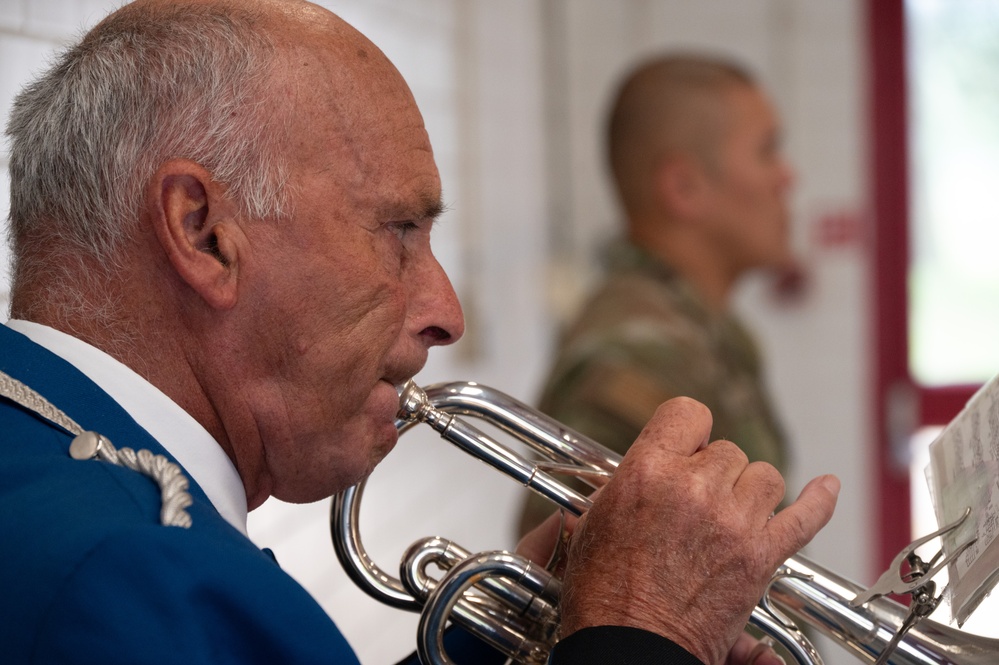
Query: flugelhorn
x,y
512,603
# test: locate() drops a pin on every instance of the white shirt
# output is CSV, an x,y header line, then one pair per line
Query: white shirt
x,y
198,453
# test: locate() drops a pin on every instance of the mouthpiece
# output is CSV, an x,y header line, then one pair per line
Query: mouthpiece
x,y
413,401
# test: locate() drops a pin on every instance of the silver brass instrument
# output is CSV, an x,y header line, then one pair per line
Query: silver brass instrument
x,y
512,603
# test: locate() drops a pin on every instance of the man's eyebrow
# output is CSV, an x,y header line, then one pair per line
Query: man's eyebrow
x,y
428,207
433,207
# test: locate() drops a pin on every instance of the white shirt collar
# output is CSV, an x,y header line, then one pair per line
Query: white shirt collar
x,y
184,437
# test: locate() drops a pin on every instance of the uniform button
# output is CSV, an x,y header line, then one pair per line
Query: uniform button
x,y
86,445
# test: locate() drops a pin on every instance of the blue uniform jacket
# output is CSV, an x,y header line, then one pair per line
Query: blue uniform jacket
x,y
87,573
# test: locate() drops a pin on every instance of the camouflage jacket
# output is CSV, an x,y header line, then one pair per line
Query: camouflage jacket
x,y
643,338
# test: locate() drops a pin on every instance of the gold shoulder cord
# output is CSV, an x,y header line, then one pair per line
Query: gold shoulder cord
x,y
168,476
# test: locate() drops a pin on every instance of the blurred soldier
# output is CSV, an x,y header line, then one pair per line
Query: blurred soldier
x,y
693,147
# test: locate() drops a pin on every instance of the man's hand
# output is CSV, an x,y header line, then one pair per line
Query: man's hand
x,y
539,544
681,542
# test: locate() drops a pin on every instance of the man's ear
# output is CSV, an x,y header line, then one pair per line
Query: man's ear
x,y
680,185
195,227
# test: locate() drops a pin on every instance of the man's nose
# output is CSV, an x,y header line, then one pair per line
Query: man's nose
x,y
437,307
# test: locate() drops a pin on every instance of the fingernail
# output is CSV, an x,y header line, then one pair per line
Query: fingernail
x,y
769,657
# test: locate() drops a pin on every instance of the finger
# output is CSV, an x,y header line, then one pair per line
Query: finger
x,y
764,654
539,543
739,653
726,460
747,650
681,425
797,524
750,651
760,487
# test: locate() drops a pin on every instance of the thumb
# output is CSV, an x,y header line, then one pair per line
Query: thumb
x,y
796,525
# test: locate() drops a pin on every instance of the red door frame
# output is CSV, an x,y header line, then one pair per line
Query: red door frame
x,y
934,405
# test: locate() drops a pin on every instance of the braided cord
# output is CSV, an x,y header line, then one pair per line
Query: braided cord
x,y
16,391
167,475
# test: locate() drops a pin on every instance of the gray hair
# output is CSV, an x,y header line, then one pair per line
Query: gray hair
x,y
141,88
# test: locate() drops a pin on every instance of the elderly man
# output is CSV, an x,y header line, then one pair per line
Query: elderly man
x,y
221,220
693,145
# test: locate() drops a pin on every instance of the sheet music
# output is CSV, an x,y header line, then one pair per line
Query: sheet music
x,y
963,473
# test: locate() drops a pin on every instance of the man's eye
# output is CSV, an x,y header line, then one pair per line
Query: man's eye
x,y
401,229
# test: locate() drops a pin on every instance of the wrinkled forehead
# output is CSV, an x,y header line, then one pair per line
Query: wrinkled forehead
x,y
347,108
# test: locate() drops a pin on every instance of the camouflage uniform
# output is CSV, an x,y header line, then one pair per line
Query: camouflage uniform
x,y
646,337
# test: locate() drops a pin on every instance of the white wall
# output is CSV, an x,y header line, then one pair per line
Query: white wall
x,y
513,93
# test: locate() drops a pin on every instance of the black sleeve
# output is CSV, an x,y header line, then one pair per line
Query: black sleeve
x,y
618,645
465,649
600,645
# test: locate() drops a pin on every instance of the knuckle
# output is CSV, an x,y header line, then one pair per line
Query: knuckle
x,y
684,405
633,482
768,478
699,491
729,451
798,533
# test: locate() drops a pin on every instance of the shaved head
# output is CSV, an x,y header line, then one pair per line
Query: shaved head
x,y
693,143
667,106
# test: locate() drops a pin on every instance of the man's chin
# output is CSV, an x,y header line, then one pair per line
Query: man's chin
x,y
386,438
347,473
380,440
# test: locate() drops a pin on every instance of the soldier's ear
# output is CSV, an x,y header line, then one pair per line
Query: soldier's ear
x,y
680,185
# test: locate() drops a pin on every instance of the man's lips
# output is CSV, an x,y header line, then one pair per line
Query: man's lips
x,y
389,403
